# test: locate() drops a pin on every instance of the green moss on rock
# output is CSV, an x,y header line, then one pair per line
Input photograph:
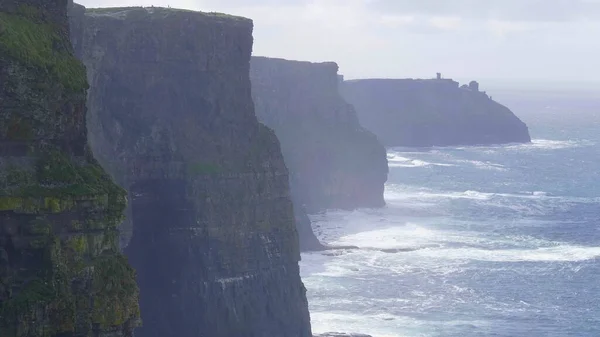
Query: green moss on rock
x,y
57,184
145,12
36,292
30,12
59,209
40,227
34,43
10,203
50,303
200,168
115,291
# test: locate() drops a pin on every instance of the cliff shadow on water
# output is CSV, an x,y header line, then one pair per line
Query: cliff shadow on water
x,y
333,161
432,112
171,117
61,273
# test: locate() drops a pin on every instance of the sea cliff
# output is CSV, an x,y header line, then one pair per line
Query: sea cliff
x,y
171,117
436,112
333,161
61,273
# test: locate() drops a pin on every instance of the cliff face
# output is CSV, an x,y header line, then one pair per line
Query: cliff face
x,y
409,112
60,270
333,161
172,118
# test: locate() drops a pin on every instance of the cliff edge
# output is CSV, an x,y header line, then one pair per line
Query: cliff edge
x,y
436,112
171,117
61,273
333,161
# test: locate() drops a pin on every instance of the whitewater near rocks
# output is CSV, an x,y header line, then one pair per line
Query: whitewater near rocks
x,y
474,241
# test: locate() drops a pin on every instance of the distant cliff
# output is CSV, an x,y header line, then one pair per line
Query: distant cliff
x,y
171,117
333,161
61,273
437,112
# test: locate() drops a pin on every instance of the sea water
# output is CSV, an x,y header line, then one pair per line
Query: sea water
x,y
474,241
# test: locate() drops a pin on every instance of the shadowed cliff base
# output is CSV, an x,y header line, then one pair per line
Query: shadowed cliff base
x,y
171,117
61,273
333,161
436,112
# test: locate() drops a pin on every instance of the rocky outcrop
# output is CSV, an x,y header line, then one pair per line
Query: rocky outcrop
x,y
308,239
333,161
61,273
437,112
171,117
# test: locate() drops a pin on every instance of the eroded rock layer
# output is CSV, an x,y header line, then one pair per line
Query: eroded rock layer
x,y
437,112
61,273
171,117
333,161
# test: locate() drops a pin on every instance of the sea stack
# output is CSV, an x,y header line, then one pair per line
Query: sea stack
x,y
171,118
434,112
61,273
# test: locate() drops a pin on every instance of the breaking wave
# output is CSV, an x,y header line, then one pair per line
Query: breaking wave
x,y
474,241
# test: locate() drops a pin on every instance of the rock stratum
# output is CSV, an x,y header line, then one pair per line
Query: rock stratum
x,y
333,161
61,273
171,117
436,112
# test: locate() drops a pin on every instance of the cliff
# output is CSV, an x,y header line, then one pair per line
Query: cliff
x,y
171,117
60,270
406,112
333,161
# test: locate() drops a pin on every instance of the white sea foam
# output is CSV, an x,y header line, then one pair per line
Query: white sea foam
x,y
539,144
451,249
381,325
426,254
409,236
563,253
400,192
410,163
397,157
547,144
484,165
396,160
396,192
422,242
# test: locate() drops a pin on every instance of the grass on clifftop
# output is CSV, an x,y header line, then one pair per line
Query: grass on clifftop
x,y
35,43
160,10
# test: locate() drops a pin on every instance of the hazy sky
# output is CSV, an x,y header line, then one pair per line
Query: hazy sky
x,y
531,40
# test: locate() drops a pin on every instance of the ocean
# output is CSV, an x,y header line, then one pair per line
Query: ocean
x,y
474,241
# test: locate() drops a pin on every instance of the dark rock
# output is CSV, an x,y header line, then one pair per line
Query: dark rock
x,y
308,239
171,117
333,161
422,113
61,273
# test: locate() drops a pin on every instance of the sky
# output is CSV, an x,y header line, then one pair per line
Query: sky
x,y
537,42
